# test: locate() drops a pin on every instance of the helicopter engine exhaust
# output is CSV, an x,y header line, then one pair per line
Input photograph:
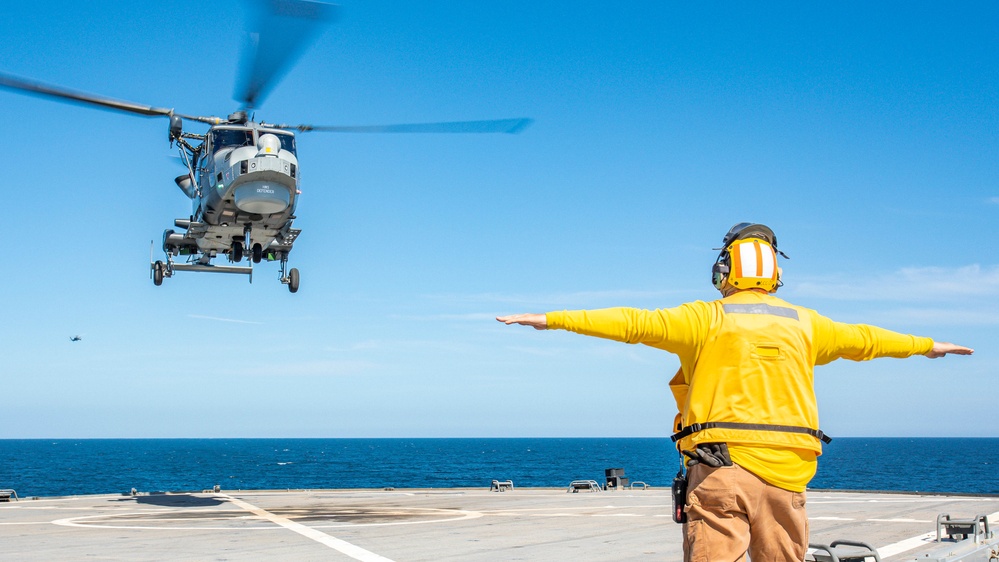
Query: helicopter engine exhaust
x,y
186,185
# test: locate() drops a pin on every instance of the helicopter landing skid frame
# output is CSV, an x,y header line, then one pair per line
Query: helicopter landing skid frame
x,y
160,270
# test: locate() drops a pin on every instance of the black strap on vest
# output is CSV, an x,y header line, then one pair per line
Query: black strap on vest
x,y
816,433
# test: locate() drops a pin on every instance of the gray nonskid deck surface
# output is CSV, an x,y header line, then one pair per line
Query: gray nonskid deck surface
x,y
417,525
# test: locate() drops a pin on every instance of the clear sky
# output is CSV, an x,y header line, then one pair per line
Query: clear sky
x,y
866,134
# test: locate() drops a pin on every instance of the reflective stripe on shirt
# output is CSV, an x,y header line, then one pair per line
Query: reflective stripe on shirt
x,y
760,308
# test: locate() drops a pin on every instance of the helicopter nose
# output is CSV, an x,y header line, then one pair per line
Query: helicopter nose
x,y
262,197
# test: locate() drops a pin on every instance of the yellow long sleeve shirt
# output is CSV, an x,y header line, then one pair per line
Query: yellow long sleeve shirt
x,y
747,358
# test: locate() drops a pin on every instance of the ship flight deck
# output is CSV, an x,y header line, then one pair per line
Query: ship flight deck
x,y
410,525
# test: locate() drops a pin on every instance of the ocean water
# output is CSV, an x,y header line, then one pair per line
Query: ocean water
x,y
54,467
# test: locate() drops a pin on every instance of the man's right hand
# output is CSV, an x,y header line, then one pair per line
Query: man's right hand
x,y
943,348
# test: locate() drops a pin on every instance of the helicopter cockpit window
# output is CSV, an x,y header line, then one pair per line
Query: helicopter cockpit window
x,y
231,138
287,142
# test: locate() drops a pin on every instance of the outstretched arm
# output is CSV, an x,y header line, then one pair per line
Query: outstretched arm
x,y
943,348
536,321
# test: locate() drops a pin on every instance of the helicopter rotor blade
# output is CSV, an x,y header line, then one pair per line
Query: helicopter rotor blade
x,y
284,29
15,83
511,126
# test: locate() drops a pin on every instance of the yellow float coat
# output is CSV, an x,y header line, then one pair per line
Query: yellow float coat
x,y
747,358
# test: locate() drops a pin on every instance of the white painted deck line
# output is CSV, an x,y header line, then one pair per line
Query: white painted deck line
x,y
342,546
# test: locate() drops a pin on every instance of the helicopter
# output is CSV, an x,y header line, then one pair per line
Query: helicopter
x,y
243,176
76,338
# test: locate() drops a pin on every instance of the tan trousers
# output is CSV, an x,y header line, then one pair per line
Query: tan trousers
x,y
731,511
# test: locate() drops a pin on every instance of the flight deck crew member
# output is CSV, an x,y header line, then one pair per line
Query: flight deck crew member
x,y
748,420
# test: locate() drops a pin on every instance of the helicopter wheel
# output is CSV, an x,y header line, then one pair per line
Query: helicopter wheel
x,y
158,273
237,251
258,253
293,280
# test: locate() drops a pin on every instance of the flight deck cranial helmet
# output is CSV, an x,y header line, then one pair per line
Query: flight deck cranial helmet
x,y
748,259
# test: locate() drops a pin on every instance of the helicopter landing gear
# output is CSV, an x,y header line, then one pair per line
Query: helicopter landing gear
x,y
200,259
288,277
158,269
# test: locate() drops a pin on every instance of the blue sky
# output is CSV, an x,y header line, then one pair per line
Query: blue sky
x,y
864,134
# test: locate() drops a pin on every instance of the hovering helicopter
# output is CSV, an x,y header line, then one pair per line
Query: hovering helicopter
x,y
243,176
76,338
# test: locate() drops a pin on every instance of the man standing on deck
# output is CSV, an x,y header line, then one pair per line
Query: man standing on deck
x,y
748,419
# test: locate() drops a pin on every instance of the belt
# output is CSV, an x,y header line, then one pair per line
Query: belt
x,y
694,428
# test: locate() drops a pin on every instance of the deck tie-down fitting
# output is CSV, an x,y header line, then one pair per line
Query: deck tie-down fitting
x,y
832,552
977,527
584,486
498,486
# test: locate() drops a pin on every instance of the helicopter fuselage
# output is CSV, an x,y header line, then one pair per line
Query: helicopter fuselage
x,y
247,179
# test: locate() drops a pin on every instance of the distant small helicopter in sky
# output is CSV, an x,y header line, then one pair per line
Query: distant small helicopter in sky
x,y
243,177
76,338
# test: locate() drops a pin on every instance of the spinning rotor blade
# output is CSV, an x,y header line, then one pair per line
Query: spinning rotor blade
x,y
14,83
512,126
19,84
284,29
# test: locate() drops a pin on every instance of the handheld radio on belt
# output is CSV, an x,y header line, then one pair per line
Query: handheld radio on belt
x,y
679,494
679,497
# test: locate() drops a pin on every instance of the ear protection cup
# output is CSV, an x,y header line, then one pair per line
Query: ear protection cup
x,y
719,271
